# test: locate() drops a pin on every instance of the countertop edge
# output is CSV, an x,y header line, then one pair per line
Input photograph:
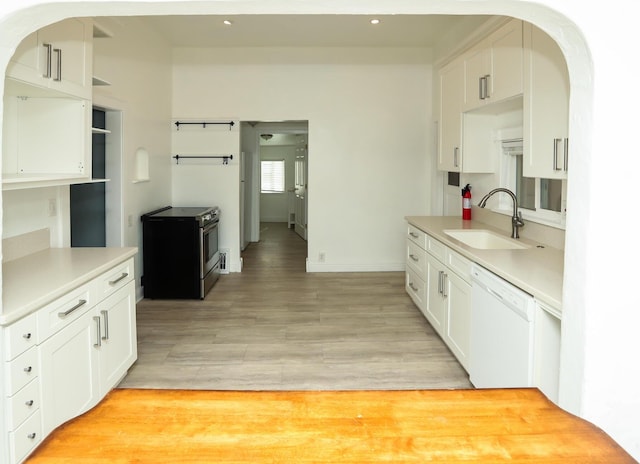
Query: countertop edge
x,y
37,302
435,225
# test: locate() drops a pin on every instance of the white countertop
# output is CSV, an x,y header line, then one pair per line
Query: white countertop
x,y
33,281
537,271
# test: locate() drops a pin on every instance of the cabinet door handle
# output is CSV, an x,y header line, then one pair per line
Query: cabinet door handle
x,y
444,285
105,314
123,276
440,274
98,332
413,287
26,336
70,310
58,52
486,85
28,403
556,142
456,152
47,66
413,234
32,435
413,257
28,369
480,88
566,154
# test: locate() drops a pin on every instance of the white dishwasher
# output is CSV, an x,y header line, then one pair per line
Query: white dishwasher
x,y
502,333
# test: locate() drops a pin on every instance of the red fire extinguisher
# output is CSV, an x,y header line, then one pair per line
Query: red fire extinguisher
x,y
466,202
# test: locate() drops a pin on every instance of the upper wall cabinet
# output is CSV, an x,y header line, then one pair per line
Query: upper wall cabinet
x,y
546,107
57,57
493,68
47,125
451,96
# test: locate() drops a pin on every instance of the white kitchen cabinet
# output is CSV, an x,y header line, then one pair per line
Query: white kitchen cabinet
x,y
493,68
546,359
450,125
63,358
70,371
21,388
435,309
117,343
416,263
57,57
438,281
545,107
47,126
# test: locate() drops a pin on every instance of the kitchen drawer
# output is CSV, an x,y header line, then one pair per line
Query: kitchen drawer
x,y
417,236
437,249
459,264
20,336
21,370
23,404
57,315
115,279
416,258
26,437
416,288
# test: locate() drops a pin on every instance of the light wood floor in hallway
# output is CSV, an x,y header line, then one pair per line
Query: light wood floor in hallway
x,y
276,327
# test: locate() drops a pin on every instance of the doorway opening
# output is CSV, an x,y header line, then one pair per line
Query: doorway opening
x,y
274,173
96,207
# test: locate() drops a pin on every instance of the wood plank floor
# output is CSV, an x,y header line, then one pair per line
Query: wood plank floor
x,y
276,327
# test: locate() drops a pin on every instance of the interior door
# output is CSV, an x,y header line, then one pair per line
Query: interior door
x,y
301,191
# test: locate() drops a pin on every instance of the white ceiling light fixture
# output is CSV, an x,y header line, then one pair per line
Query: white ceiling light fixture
x,y
266,136
375,21
227,22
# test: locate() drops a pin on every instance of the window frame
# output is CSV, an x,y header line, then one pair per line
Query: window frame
x,y
274,189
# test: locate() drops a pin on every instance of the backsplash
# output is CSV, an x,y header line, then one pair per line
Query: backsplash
x,y
25,244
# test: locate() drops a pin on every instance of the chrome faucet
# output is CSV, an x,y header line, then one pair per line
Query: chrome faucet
x,y
516,219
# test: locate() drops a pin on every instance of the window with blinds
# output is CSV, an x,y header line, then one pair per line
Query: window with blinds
x,y
272,176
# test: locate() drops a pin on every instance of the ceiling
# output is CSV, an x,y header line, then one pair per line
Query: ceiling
x,y
303,30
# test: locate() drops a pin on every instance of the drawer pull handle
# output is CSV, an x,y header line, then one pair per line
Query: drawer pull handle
x,y
28,369
413,234
70,310
413,257
123,276
413,287
29,403
26,336
32,435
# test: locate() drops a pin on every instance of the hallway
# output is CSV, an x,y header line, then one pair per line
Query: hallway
x,y
276,327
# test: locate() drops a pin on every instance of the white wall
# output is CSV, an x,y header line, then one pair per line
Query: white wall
x,y
139,88
601,311
367,112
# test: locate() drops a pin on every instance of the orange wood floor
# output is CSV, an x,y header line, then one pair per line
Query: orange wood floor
x,y
451,426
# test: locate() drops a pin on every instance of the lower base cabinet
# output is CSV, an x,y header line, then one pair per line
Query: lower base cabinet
x,y
117,346
69,372
438,281
61,360
85,360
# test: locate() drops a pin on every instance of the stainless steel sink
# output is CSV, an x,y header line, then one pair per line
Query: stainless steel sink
x,y
485,239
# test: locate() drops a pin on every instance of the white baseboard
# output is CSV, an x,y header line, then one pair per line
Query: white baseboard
x,y
329,267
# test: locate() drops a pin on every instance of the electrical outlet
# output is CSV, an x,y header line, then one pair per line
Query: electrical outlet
x,y
53,207
321,256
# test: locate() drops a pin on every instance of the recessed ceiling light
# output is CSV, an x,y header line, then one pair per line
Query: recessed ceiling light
x,y
375,21
226,22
